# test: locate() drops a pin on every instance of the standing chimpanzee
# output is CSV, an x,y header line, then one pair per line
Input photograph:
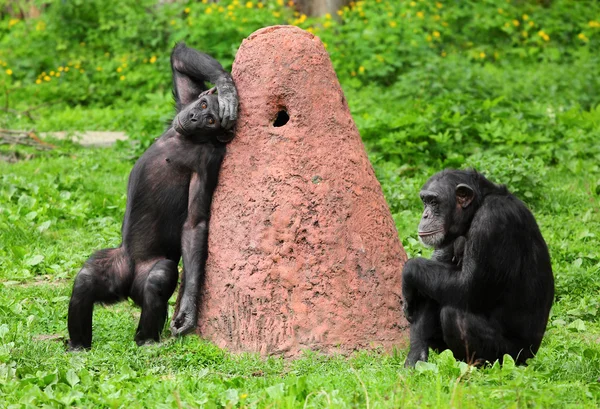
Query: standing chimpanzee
x,y
168,208
488,288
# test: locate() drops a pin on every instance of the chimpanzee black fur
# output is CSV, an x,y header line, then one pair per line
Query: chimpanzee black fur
x,y
488,288
168,208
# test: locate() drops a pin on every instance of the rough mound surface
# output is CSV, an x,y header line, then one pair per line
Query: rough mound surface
x,y
303,251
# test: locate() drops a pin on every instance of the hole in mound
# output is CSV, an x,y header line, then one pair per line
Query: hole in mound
x,y
282,119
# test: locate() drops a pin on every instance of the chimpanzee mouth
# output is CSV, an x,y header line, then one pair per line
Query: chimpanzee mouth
x,y
430,233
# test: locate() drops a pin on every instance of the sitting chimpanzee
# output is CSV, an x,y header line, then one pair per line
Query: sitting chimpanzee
x,y
168,208
488,288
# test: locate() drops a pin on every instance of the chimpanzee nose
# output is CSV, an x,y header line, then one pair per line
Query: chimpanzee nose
x,y
193,117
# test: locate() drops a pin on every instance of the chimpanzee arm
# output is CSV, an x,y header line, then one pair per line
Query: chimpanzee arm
x,y
191,69
443,282
194,243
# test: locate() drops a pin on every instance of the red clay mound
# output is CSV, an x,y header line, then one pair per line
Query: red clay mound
x,y
303,251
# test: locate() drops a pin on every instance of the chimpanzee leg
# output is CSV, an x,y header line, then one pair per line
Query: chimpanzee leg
x,y
473,337
425,332
155,288
105,278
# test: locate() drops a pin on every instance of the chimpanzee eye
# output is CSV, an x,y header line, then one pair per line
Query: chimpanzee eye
x,y
211,120
203,105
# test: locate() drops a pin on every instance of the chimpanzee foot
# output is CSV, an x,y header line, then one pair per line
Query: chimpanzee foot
x,y
415,355
73,347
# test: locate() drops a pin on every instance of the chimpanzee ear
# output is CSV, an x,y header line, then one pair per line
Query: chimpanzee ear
x,y
226,136
464,195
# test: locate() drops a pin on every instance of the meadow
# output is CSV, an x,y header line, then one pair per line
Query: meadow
x,y
510,88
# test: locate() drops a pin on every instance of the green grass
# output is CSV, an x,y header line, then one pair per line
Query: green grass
x,y
56,208
523,109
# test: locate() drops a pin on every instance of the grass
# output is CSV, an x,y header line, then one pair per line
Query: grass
x,y
57,207
522,109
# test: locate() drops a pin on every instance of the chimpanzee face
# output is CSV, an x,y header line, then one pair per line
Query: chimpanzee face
x,y
201,117
445,215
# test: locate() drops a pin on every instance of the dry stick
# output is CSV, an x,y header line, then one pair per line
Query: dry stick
x,y
29,138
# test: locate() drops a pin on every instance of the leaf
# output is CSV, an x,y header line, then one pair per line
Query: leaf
x,y
34,260
577,325
72,378
422,367
275,391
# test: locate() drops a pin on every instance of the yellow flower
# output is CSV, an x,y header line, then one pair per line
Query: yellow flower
x,y
152,59
172,22
500,11
290,3
507,24
46,78
444,24
276,14
221,9
444,53
361,69
545,36
583,37
230,7
259,5
420,14
122,78
38,81
393,24
66,69
436,17
186,10
280,2
482,55
340,12
439,5
12,22
82,71
249,5
436,34
353,73
40,26
326,24
244,395
57,74
531,24
525,17
516,23
52,73
324,44
119,69
412,4
429,38
8,71
61,69
594,24
524,33
379,58
124,65
77,66
208,10
98,68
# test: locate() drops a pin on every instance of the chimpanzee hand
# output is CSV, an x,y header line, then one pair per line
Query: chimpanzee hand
x,y
408,292
185,321
228,102
459,250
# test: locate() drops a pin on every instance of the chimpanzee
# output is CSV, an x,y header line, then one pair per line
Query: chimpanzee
x,y
488,288
168,208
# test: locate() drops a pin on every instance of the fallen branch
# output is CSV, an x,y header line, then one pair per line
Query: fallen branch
x,y
27,138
